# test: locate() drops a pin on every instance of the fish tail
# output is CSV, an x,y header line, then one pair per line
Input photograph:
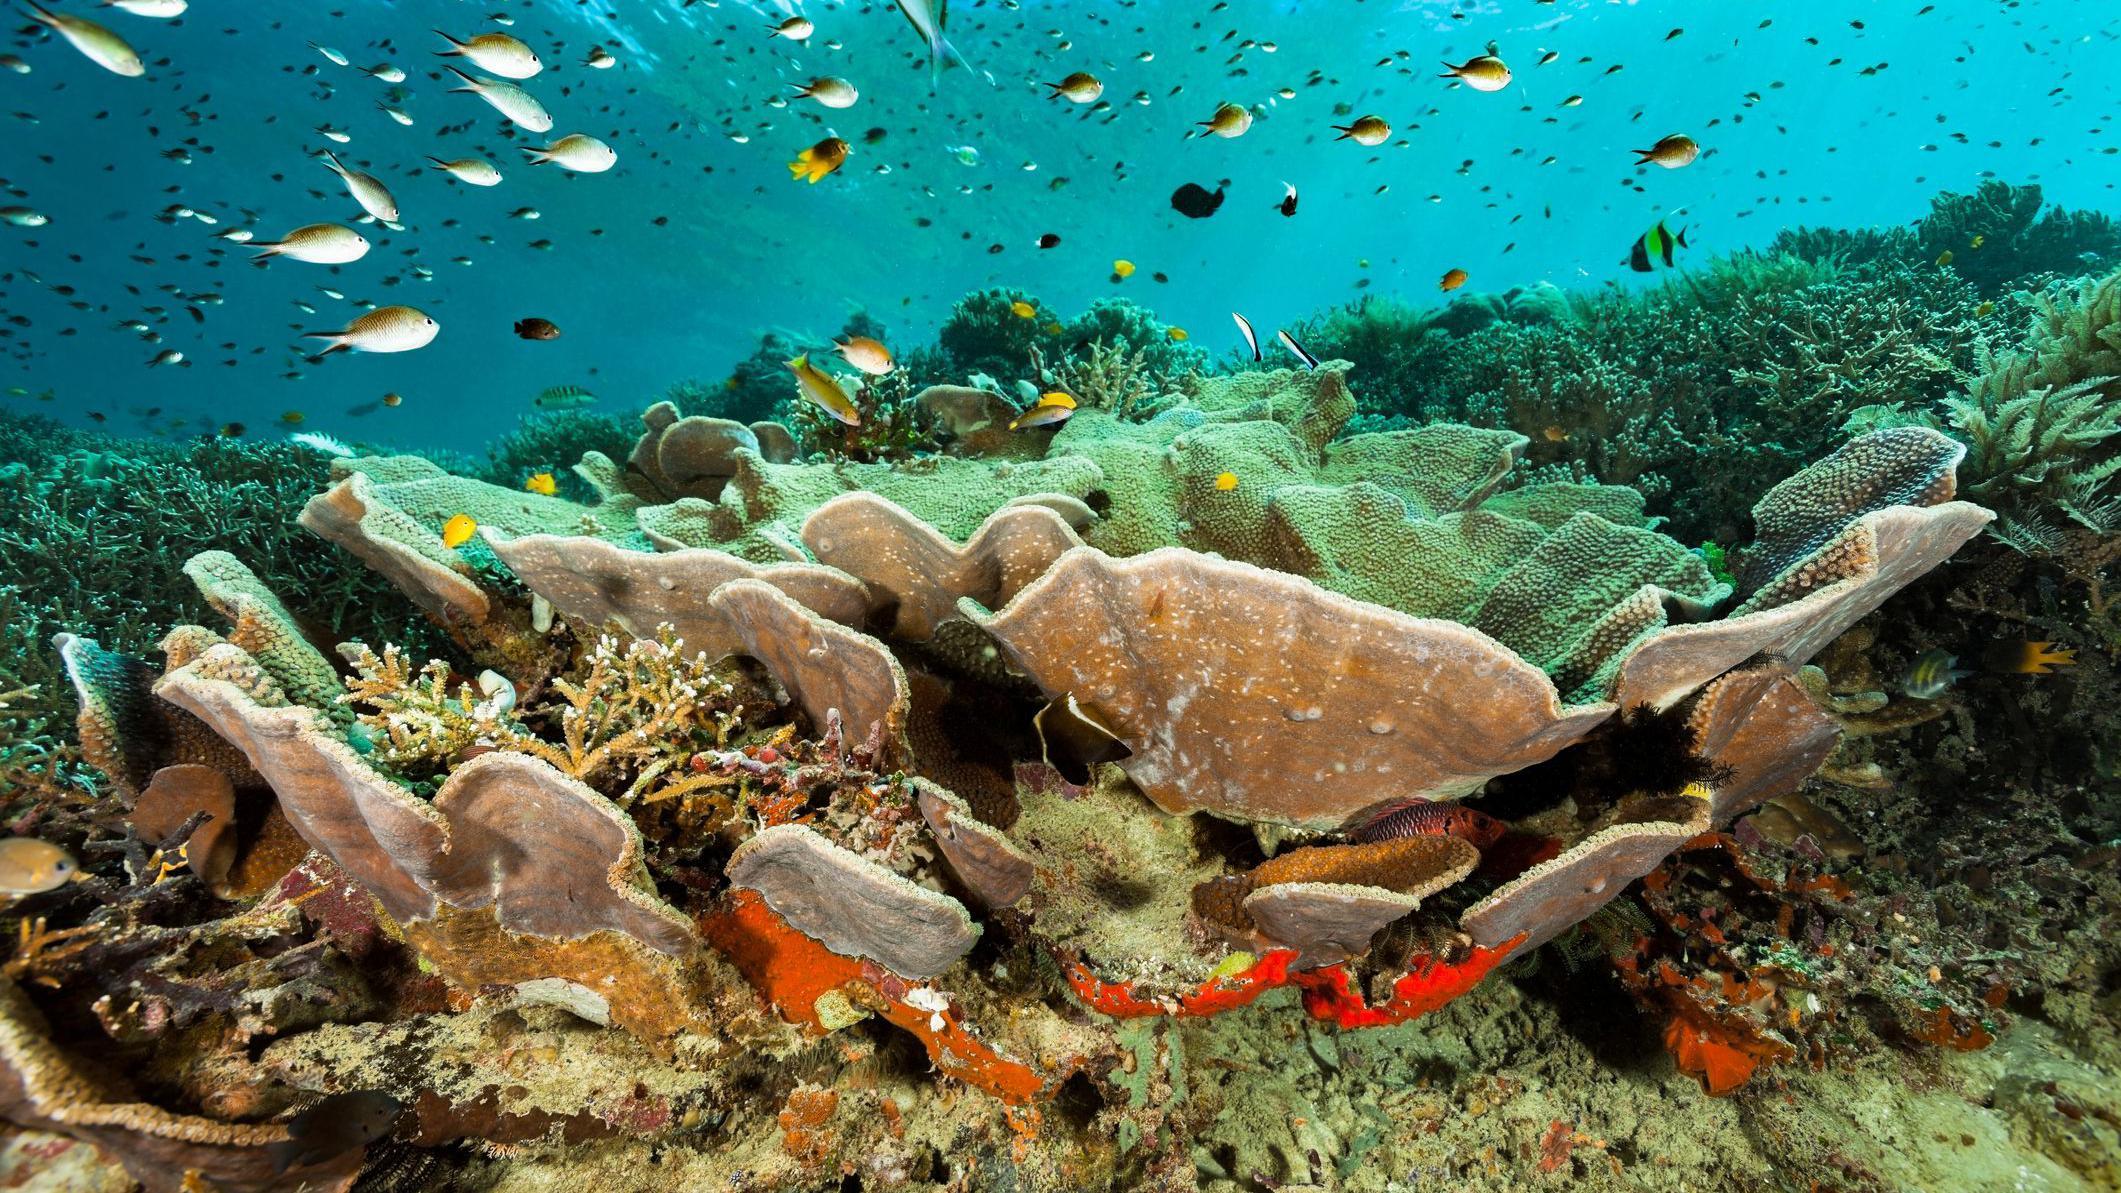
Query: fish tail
x,y
455,50
939,51
338,343
470,84
537,156
268,249
40,14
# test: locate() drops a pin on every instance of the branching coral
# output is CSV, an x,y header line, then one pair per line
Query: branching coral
x,y
1105,377
635,711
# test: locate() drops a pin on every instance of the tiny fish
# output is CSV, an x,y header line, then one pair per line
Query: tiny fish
x,y
1226,481
541,483
316,244
1671,152
579,152
1195,201
865,354
1453,279
1175,334
829,90
1303,354
385,329
2026,658
29,866
537,329
1287,206
473,170
1051,410
564,397
822,389
1122,269
519,106
366,189
495,53
1944,258
333,1127
1244,325
1081,87
1654,246
1230,120
1484,73
1930,675
1023,310
1367,131
599,58
818,160
458,530
794,29
96,43
23,217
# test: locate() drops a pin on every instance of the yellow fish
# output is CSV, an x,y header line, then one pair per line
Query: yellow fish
x,y
1045,414
1024,310
1230,120
1484,73
2027,658
1176,333
542,484
818,160
1226,482
1977,241
1945,257
1986,308
821,388
458,530
29,866
1123,268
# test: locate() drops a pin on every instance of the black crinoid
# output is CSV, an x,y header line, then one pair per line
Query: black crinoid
x,y
1639,750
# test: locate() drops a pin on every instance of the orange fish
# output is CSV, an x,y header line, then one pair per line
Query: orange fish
x,y
2027,658
1453,279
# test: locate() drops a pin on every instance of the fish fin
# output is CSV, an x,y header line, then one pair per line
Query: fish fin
x,y
537,156
285,1154
455,50
40,14
470,84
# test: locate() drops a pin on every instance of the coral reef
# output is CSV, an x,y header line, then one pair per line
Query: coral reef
x,y
721,821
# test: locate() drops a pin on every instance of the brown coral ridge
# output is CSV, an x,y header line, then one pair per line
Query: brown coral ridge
x,y
696,456
826,668
851,905
514,873
1328,901
1267,665
599,582
41,1087
1556,895
918,573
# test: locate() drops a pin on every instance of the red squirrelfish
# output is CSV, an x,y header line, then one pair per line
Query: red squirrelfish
x,y
1417,817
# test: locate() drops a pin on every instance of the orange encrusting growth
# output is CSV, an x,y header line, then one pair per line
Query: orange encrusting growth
x,y
1721,1064
1328,993
791,972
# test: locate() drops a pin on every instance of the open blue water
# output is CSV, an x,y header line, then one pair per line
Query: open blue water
x,y
669,265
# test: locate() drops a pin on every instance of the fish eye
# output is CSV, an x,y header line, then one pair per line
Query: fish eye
x,y
63,865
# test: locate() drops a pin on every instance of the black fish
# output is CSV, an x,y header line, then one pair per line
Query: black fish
x,y
1288,201
1074,742
333,1127
1245,325
1654,245
1288,341
1195,201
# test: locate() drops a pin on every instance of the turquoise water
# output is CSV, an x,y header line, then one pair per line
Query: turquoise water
x,y
668,266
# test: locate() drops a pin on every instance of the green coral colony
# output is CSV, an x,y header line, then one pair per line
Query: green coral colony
x,y
715,811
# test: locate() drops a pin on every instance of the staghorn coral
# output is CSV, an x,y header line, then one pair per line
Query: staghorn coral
x,y
626,715
2016,238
